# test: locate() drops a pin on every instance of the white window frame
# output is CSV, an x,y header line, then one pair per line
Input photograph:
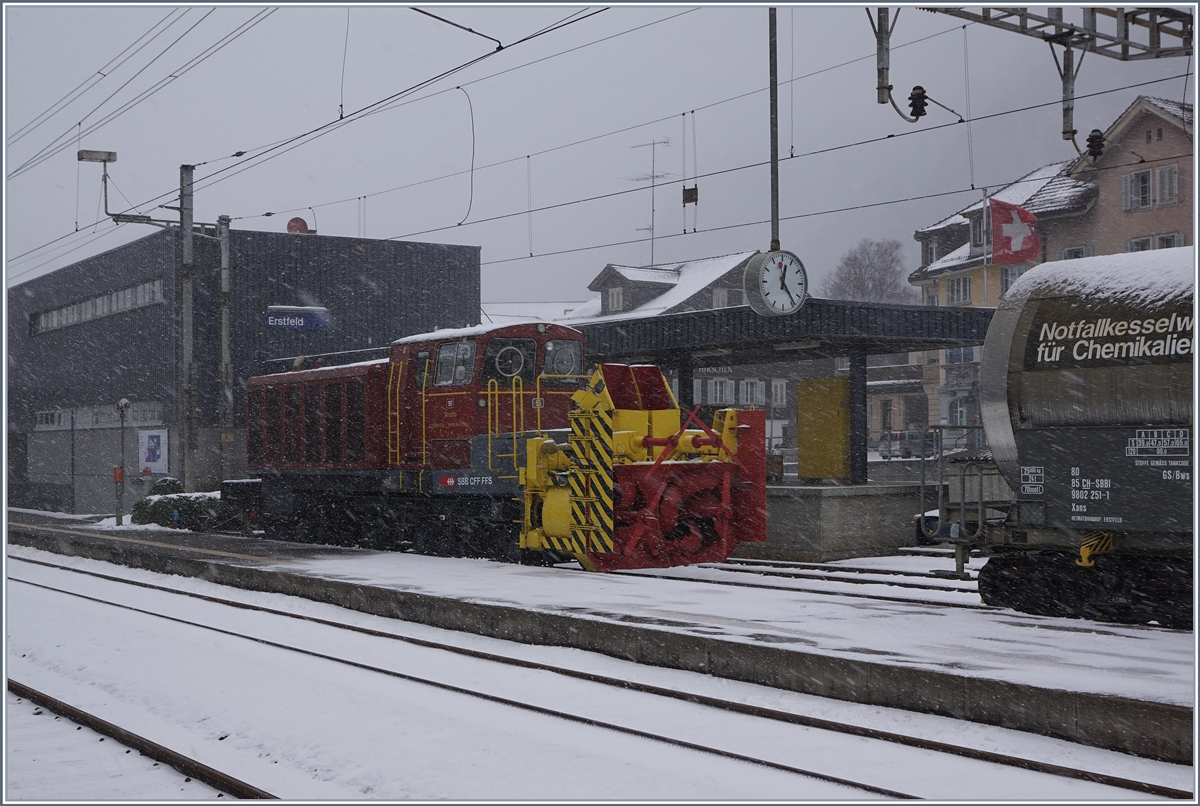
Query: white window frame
x,y
753,392
779,387
1170,240
1137,191
958,290
616,299
1075,252
1139,244
720,392
1009,275
957,412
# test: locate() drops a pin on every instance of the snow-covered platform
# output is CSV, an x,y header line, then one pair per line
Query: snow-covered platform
x,y
1121,687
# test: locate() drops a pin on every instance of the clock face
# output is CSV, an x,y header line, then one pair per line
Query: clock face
x,y
776,283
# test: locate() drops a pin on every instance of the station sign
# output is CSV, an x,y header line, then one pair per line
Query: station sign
x,y
297,318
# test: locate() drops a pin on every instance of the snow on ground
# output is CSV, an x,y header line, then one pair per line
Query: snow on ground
x,y
47,757
1131,661
342,733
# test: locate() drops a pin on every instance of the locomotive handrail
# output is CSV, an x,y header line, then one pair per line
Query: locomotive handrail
x,y
516,393
424,416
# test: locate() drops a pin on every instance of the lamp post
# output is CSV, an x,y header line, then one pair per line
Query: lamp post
x,y
119,474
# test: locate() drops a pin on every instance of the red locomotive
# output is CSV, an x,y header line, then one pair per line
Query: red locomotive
x,y
492,442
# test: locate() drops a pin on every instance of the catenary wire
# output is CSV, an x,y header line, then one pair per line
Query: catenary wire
x,y
49,150
593,138
729,170
92,80
759,164
162,83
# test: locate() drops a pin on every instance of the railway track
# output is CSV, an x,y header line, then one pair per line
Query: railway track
x,y
727,706
856,583
160,753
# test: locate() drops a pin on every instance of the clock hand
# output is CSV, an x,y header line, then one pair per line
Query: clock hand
x,y
783,285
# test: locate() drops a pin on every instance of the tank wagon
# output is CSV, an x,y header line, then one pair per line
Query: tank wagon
x,y
1086,385
494,442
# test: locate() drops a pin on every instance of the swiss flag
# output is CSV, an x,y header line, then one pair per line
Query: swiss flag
x,y
1013,237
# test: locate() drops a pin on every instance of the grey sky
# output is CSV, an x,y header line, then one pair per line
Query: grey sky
x,y
300,67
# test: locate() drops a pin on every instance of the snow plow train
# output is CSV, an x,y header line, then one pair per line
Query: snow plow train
x,y
494,442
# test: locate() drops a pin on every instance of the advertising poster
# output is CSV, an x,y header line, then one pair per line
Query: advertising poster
x,y
152,452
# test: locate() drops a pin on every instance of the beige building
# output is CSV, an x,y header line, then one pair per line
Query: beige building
x,y
1136,195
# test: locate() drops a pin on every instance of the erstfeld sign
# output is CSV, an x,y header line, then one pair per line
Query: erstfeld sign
x,y
297,318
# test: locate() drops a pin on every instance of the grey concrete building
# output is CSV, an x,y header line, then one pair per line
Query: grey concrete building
x,y
82,338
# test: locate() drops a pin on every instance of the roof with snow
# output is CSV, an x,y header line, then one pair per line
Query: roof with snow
x,y
1018,192
511,313
1181,110
689,278
959,259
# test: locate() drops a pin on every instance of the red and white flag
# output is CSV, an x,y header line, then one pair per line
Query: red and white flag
x,y
1014,239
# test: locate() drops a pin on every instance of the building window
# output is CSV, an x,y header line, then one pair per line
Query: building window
x,y
753,392
1074,252
138,296
1135,191
1169,241
958,290
720,392
1137,245
1168,185
957,413
885,415
616,299
726,297
1009,275
779,392
960,355
697,392
977,231
931,251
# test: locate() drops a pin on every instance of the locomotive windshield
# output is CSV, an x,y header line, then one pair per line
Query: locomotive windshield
x,y
506,359
455,364
563,357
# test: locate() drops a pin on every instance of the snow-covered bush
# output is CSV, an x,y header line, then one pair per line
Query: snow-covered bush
x,y
195,511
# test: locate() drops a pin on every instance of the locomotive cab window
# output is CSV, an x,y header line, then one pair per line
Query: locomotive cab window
x,y
421,366
455,364
507,359
563,357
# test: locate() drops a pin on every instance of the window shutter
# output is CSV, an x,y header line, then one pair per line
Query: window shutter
x,y
697,392
1126,200
1168,184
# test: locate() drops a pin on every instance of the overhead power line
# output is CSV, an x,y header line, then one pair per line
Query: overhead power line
x,y
99,75
57,145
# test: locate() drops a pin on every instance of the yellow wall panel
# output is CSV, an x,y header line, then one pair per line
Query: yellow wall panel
x,y
823,427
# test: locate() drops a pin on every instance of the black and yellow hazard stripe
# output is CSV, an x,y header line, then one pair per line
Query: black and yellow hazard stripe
x,y
1094,542
592,480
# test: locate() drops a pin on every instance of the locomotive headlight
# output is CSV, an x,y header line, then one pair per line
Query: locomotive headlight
x,y
481,403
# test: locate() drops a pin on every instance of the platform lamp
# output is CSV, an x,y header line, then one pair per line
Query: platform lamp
x,y
123,405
